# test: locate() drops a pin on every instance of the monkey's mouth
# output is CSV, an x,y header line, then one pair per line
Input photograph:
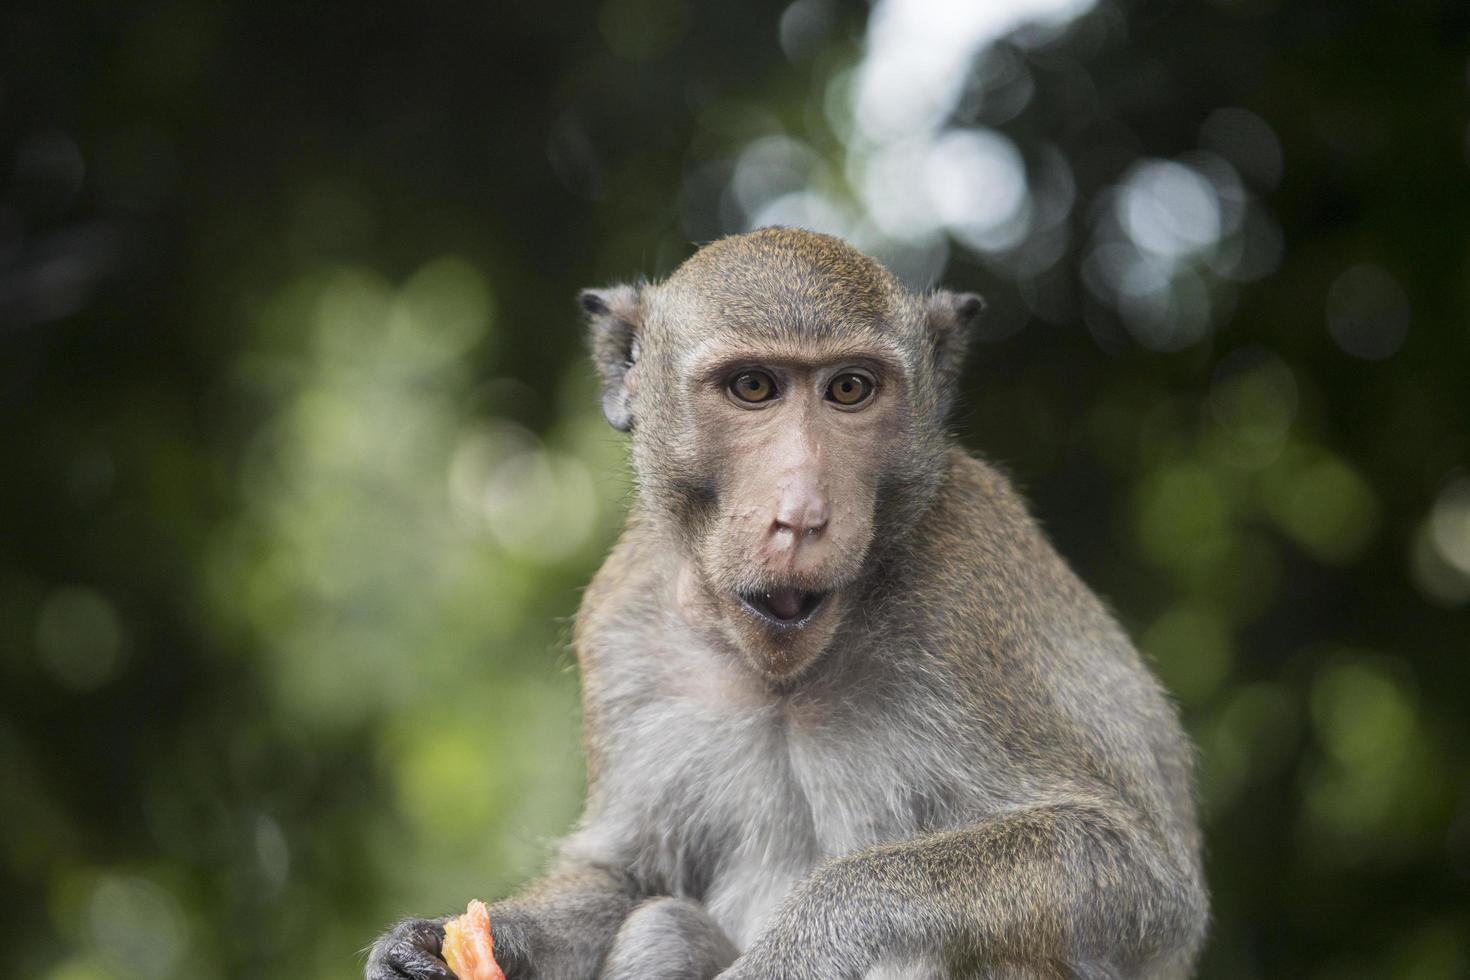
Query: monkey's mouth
x,y
785,608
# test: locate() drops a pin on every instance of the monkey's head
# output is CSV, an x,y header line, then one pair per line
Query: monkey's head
x,y
787,400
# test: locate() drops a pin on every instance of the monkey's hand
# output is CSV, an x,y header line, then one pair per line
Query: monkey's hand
x,y
412,949
561,926
409,951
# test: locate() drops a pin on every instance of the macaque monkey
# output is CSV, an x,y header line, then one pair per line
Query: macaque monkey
x,y
847,713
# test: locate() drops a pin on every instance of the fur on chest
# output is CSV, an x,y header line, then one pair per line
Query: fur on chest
x,y
744,793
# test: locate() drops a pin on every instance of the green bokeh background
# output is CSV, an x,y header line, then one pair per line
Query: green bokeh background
x,y
301,470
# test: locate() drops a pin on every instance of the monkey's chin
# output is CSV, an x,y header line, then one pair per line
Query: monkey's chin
x,y
777,634
781,635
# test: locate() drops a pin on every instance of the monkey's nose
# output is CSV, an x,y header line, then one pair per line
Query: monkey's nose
x,y
804,516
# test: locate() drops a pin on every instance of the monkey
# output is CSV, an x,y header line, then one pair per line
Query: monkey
x,y
846,711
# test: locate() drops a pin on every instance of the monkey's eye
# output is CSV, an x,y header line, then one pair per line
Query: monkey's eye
x,y
850,390
753,387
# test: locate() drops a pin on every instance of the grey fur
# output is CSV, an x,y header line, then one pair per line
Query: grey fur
x,y
668,939
976,775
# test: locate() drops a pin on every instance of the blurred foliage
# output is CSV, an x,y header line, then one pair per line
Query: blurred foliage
x,y
302,469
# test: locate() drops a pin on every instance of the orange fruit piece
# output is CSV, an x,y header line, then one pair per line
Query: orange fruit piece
x,y
468,948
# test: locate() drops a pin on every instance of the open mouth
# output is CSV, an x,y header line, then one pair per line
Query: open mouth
x,y
786,608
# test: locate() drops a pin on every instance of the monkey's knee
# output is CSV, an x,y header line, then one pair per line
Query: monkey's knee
x,y
668,939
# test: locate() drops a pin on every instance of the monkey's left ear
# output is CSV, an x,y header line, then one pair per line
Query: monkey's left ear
x,y
951,319
614,316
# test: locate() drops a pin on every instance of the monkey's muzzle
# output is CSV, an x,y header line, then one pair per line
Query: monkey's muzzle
x,y
784,608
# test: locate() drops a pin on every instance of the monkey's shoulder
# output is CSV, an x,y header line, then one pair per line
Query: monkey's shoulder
x,y
982,564
634,576
978,503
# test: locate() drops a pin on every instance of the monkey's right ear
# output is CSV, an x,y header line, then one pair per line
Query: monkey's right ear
x,y
614,316
951,318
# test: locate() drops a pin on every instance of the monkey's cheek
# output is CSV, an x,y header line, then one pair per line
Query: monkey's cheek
x,y
692,599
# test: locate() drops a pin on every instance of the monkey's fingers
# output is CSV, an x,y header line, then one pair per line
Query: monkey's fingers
x,y
408,951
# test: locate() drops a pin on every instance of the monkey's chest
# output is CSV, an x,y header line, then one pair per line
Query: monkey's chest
x,y
766,803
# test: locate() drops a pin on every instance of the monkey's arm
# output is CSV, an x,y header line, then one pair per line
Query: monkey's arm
x,y
559,927
1062,889
564,922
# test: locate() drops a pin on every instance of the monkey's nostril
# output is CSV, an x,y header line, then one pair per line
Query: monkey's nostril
x,y
799,528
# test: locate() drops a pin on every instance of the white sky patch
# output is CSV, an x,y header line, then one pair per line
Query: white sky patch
x,y
907,182
977,182
921,51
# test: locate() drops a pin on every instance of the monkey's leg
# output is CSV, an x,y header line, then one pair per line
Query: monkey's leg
x,y
1087,886
668,939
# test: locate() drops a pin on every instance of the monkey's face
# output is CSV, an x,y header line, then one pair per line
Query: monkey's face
x,y
786,397
790,441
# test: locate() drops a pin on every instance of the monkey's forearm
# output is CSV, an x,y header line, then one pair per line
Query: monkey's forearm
x,y
1055,889
562,924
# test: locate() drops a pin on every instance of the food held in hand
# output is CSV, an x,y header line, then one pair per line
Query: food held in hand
x,y
469,949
